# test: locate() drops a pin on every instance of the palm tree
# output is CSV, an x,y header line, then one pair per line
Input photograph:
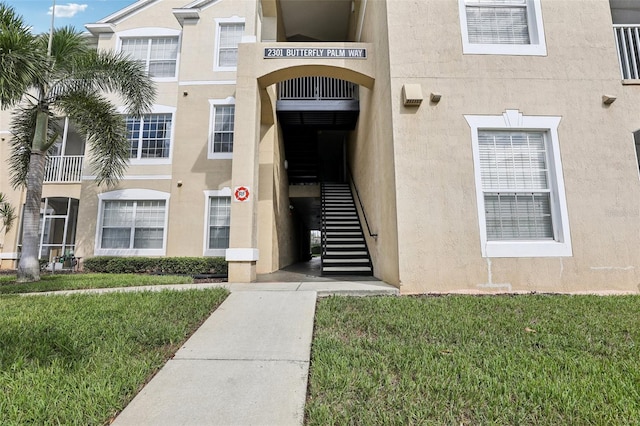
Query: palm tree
x,y
47,76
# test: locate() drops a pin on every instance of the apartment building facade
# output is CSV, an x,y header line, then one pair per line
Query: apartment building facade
x,y
461,145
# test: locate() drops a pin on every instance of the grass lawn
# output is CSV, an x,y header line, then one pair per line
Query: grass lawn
x,y
80,359
54,282
535,359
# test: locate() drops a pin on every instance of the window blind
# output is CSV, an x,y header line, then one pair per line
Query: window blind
x,y
515,183
158,55
219,222
142,219
230,36
497,22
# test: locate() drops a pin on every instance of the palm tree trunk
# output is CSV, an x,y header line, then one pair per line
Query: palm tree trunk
x,y
29,266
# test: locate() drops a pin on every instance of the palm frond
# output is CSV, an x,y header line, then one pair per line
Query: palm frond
x,y
7,214
21,60
113,73
67,44
95,116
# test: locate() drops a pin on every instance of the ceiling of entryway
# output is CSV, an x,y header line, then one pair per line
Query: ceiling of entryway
x,y
316,20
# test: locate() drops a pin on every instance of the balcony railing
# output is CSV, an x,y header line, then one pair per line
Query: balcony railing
x,y
66,168
628,44
317,88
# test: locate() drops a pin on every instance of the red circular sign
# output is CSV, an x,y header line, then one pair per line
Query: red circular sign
x,y
241,193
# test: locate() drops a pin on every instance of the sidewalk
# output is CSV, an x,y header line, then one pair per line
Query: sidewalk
x,y
247,364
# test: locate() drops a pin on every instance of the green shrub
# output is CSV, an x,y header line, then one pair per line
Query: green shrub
x,y
164,265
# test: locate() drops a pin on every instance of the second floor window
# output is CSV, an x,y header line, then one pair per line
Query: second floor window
x,y
149,136
497,22
221,139
159,55
502,27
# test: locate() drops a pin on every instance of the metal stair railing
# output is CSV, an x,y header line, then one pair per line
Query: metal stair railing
x,y
364,213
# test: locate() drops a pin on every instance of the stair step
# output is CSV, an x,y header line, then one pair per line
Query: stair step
x,y
346,269
345,253
345,261
334,228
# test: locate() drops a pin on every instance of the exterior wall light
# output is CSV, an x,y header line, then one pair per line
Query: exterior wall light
x,y
608,100
179,184
435,97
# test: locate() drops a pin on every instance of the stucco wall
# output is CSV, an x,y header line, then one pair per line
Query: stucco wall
x,y
439,241
371,156
190,94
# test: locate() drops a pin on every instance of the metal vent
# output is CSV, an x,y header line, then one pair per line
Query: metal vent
x,y
412,94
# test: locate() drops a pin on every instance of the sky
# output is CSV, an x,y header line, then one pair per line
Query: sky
x,y
37,13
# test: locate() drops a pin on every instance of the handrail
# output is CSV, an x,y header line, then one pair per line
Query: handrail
x,y
364,214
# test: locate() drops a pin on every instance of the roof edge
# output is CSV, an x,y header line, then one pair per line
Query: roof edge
x,y
126,11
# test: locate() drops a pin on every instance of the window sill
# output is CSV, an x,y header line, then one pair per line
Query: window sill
x,y
220,156
225,69
129,252
527,249
215,252
173,79
635,82
505,49
149,161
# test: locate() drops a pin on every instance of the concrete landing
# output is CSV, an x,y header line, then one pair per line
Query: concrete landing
x,y
246,365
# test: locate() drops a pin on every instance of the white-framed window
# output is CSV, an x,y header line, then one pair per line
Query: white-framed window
x,y
132,222
522,208
159,55
149,136
502,27
221,128
217,221
229,32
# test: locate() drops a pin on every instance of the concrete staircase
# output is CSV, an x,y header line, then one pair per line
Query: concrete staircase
x,y
344,249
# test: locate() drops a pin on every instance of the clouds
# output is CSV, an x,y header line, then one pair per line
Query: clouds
x,y
69,10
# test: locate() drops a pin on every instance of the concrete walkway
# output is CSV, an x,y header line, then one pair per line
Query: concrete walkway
x,y
247,364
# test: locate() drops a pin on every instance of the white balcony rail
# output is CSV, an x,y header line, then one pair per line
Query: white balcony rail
x,y
628,44
65,168
317,88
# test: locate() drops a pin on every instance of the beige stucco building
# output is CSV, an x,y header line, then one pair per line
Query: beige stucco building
x,y
440,145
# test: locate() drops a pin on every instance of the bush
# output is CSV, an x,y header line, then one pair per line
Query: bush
x,y
163,265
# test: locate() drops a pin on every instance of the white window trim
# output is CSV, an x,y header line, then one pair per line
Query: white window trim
x,y
538,46
219,21
206,251
156,109
153,32
212,106
131,195
515,120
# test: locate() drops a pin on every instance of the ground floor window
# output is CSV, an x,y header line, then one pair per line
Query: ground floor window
x,y
520,190
218,221
132,222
